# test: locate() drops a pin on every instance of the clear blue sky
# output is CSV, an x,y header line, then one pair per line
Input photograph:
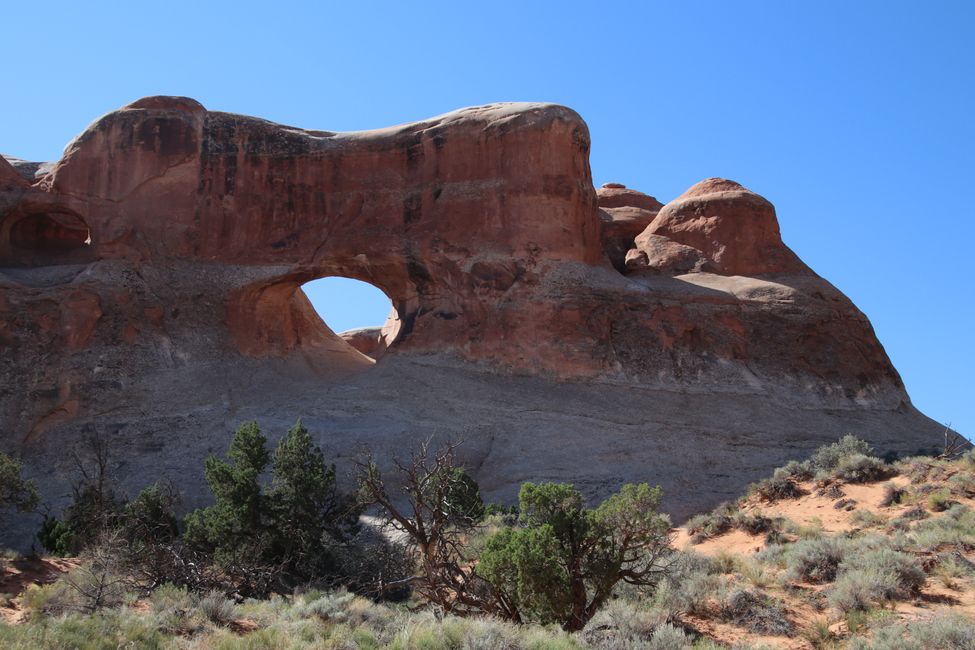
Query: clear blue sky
x,y
854,118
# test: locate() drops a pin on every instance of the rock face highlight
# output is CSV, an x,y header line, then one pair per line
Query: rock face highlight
x,y
150,291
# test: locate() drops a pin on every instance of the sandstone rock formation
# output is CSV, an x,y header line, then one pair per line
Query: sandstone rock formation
x,y
150,291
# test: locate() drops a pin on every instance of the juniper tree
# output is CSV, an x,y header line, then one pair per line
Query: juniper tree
x,y
287,531
16,493
310,515
563,564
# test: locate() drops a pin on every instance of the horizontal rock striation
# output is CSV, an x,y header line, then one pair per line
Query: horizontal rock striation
x,y
150,291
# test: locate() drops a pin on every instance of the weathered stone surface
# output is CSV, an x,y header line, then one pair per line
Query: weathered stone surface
x,y
150,291
367,340
617,195
735,231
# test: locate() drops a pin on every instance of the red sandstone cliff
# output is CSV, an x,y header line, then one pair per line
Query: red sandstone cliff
x,y
155,271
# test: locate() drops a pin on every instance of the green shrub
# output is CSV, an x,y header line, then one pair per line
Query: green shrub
x,y
15,492
828,457
906,569
815,560
688,587
940,500
940,632
860,468
861,589
217,608
563,565
800,471
962,484
292,528
56,537
48,600
867,518
893,495
668,637
777,488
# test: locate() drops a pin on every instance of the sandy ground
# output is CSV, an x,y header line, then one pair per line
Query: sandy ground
x,y
20,574
818,510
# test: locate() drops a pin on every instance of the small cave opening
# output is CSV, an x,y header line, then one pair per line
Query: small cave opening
x,y
49,233
360,313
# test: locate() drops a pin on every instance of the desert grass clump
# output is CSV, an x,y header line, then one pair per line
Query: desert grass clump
x,y
893,495
923,469
815,560
173,609
954,565
962,484
906,569
944,632
712,524
867,518
956,527
777,488
811,529
861,589
940,632
861,468
756,612
798,470
688,588
327,607
668,637
827,458
217,608
623,622
818,633
940,500
755,523
106,630
489,633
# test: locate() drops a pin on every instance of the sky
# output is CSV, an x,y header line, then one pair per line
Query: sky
x,y
854,118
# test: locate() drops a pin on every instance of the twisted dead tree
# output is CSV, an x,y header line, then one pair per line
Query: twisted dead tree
x,y
437,510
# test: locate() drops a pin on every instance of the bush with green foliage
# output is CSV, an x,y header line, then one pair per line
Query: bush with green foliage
x,y
290,529
909,577
860,468
815,560
441,514
688,586
237,527
16,493
96,507
712,524
776,488
828,457
563,564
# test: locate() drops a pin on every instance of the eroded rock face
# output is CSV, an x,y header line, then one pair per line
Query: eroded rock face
x,y
367,340
719,226
623,214
150,289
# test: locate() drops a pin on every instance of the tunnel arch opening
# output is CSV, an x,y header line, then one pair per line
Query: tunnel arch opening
x,y
44,238
358,312
49,233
